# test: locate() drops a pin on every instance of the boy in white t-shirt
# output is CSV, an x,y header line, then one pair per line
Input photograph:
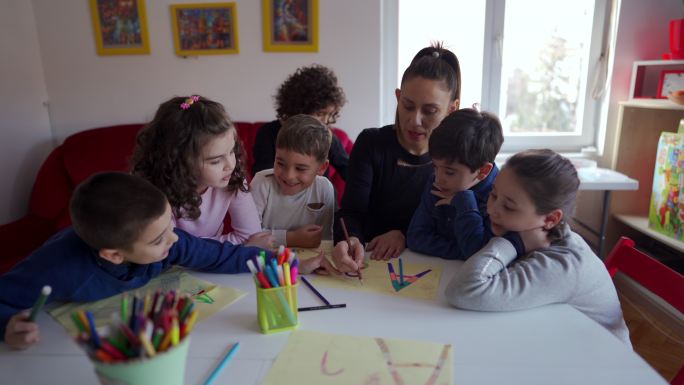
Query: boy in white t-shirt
x,y
293,199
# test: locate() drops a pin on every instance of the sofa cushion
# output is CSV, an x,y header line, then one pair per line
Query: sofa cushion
x,y
52,189
101,149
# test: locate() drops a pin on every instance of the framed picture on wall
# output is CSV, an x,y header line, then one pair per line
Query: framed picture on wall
x,y
290,25
120,27
205,28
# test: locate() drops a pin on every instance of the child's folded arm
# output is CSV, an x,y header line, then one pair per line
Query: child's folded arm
x,y
493,280
423,235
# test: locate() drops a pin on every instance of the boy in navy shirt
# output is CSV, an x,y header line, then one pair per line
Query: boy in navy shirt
x,y
122,236
451,220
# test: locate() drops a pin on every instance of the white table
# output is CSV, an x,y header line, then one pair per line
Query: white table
x,y
606,180
549,345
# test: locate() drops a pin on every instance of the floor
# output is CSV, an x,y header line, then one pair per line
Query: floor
x,y
656,342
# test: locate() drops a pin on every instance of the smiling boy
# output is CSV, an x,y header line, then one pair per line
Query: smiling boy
x,y
293,199
122,236
451,220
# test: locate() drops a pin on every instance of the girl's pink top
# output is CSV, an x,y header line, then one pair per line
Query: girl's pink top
x,y
215,203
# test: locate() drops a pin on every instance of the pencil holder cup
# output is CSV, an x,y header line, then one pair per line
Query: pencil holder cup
x,y
277,308
166,368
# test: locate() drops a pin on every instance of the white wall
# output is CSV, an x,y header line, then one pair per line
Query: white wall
x,y
25,137
88,91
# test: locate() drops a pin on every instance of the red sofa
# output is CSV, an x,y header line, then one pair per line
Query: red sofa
x,y
81,155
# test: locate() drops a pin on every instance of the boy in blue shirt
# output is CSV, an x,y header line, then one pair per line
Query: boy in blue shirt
x,y
451,220
122,236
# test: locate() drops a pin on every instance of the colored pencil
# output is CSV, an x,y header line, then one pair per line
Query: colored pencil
x,y
323,307
349,245
222,364
319,295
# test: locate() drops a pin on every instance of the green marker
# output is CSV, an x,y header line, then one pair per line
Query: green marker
x,y
40,302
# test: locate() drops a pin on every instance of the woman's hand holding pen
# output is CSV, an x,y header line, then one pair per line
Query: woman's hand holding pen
x,y
349,260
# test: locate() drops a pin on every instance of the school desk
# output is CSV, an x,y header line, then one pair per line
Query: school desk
x,y
606,180
553,344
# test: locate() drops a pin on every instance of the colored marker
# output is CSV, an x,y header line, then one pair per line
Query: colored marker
x,y
93,330
222,364
40,302
286,272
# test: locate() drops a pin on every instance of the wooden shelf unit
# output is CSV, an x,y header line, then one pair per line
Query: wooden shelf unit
x,y
640,122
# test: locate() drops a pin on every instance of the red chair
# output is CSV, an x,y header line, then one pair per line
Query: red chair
x,y
651,274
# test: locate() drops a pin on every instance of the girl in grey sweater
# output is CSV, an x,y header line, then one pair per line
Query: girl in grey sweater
x,y
531,196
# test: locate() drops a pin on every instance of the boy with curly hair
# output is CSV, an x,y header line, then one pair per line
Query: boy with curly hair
x,y
311,90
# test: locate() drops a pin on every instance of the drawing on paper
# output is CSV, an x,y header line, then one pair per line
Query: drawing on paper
x,y
398,282
209,299
329,359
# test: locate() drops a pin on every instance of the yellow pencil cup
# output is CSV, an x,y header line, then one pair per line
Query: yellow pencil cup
x,y
166,368
277,308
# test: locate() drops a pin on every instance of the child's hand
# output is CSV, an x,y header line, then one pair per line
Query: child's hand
x,y
318,264
20,333
308,236
349,260
444,197
263,239
388,245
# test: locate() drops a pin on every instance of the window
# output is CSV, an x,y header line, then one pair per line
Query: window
x,y
532,62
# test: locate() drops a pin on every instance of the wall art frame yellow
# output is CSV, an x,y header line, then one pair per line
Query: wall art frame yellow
x,y
290,25
120,27
205,28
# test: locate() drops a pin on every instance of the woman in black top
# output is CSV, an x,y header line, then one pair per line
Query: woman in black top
x,y
311,90
390,166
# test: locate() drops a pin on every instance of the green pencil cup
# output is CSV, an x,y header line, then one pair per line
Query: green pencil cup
x,y
166,368
277,308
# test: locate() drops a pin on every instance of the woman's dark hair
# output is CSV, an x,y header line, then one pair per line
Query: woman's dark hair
x,y
308,90
169,147
436,63
550,180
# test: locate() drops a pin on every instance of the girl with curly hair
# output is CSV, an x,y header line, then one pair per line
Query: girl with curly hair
x,y
191,151
311,90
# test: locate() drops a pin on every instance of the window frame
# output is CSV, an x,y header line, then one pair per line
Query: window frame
x,y
593,109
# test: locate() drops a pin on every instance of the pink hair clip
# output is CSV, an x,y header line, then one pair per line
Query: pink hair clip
x,y
189,101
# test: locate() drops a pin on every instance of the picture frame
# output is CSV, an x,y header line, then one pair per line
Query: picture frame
x,y
670,81
120,27
205,28
290,25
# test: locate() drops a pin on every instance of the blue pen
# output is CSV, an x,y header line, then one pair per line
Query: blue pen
x,y
222,364
271,276
93,331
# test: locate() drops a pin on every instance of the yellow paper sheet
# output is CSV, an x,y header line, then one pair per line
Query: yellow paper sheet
x,y
376,277
209,299
321,358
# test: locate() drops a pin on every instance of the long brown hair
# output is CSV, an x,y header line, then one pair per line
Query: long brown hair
x,y
168,148
549,179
